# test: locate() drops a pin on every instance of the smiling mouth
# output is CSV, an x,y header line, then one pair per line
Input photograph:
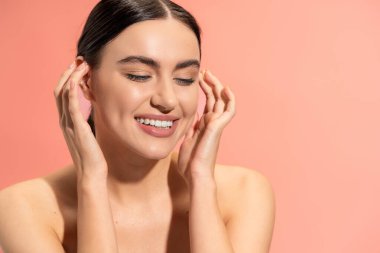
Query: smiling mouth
x,y
161,124
157,128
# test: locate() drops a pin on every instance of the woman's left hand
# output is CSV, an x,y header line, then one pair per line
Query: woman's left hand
x,y
197,153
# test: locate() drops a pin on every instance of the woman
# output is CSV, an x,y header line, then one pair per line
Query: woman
x,y
138,63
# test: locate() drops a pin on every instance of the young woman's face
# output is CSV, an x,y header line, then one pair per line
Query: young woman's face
x,y
125,88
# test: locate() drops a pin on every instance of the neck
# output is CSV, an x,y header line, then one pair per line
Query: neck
x,y
133,178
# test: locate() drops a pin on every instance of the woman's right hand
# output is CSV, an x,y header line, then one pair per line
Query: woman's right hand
x,y
84,149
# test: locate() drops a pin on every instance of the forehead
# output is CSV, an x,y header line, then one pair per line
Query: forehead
x,y
165,40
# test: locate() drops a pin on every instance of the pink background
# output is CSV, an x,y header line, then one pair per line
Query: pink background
x,y
306,78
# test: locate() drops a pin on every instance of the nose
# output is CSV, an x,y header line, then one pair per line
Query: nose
x,y
164,97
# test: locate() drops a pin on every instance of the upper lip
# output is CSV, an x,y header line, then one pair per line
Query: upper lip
x,y
157,117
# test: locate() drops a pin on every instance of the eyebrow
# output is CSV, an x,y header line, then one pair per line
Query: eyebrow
x,y
152,63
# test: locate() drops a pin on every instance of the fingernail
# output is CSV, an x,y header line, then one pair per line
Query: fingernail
x,y
72,65
206,71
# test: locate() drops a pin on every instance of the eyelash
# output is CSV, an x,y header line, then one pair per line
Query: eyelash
x,y
143,78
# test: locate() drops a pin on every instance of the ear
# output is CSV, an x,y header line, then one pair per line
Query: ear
x,y
85,82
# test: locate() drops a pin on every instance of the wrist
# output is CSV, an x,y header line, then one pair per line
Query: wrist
x,y
92,173
203,183
91,182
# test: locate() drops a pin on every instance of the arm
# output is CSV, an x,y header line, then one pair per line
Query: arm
x,y
95,228
208,233
25,226
96,232
250,228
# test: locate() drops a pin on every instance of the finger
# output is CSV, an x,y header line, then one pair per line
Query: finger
x,y
76,128
79,73
210,99
74,79
74,118
58,89
74,107
64,77
230,109
199,123
190,132
217,89
66,120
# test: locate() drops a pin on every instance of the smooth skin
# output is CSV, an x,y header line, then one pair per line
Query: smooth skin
x,y
127,191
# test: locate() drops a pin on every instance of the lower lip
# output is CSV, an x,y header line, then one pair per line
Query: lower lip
x,y
158,132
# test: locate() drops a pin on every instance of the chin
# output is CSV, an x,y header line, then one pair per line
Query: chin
x,y
156,154
152,150
147,146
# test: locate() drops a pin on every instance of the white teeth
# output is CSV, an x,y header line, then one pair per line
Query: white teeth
x,y
156,123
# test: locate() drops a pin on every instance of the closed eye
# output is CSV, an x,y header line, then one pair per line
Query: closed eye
x,y
185,81
137,78
144,78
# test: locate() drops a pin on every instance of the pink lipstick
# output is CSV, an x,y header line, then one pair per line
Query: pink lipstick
x,y
164,128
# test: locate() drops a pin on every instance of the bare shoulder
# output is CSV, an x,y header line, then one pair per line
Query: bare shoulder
x,y
28,192
29,210
33,197
238,183
251,204
40,201
242,178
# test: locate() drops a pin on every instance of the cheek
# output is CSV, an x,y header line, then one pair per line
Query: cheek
x,y
118,98
189,101
126,101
